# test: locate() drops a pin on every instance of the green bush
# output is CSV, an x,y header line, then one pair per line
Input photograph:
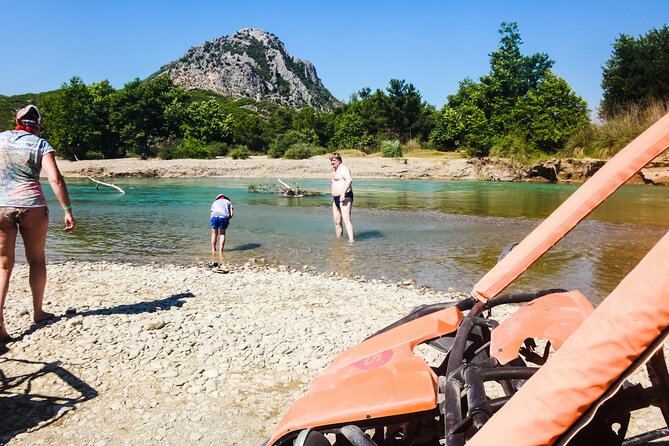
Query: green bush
x,y
303,151
93,155
391,148
192,148
603,140
283,142
239,153
165,147
218,148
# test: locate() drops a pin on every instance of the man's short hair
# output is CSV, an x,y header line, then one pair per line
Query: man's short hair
x,y
335,155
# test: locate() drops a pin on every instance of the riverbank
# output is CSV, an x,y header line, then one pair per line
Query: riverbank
x,y
169,355
410,168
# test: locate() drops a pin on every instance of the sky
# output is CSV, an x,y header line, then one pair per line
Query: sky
x,y
353,44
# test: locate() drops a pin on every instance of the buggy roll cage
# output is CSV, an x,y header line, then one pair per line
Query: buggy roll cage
x,y
380,393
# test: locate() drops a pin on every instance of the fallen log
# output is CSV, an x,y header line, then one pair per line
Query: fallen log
x,y
106,184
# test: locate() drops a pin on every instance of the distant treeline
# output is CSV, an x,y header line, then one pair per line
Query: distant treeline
x,y
520,109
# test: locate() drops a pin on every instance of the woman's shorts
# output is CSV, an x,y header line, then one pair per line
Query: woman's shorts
x,y
220,222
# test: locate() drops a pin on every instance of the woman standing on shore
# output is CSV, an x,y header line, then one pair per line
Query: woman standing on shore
x,y
23,208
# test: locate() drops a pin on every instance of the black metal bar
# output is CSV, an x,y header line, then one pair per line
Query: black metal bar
x,y
647,437
476,397
504,373
520,297
356,436
452,410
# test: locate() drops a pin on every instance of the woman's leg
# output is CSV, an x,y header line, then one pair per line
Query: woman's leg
x,y
33,231
7,243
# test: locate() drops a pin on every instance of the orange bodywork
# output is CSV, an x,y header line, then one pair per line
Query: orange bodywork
x,y
553,317
610,177
621,328
379,377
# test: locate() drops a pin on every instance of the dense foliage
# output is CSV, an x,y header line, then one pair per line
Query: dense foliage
x,y
519,108
637,74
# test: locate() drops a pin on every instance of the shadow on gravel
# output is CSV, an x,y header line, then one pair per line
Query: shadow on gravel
x,y
174,301
26,405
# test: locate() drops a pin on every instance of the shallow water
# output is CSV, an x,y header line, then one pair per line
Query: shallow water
x,y
442,234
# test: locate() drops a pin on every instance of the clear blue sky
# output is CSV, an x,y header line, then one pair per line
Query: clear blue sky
x,y
353,44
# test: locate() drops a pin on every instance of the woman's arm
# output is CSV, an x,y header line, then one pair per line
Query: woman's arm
x,y
59,187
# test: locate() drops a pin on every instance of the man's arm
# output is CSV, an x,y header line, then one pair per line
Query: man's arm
x,y
348,180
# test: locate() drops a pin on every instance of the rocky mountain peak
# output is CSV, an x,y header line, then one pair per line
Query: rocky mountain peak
x,y
251,63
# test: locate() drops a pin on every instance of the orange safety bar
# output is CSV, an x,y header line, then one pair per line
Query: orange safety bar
x,y
610,177
620,330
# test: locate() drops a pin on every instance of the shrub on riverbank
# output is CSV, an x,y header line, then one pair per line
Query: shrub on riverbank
x,y
606,139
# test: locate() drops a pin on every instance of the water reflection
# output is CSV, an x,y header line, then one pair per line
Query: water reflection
x,y
341,256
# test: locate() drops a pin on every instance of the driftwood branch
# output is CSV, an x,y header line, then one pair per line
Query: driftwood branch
x,y
106,184
288,191
282,189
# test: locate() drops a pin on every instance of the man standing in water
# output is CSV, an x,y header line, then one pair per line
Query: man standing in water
x,y
342,196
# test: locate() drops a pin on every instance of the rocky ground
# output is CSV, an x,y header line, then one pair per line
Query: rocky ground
x,y
171,355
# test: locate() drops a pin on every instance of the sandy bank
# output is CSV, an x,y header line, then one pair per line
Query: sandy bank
x,y
264,167
447,167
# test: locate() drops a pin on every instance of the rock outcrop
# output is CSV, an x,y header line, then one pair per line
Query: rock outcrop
x,y
251,64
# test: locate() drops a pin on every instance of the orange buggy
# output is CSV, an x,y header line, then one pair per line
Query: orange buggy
x,y
380,393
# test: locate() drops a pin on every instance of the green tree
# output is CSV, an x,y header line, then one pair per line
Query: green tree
x,y
73,123
350,132
206,121
252,131
403,110
637,72
139,112
511,76
285,141
550,114
520,100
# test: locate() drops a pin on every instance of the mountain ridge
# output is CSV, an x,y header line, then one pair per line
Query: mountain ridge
x,y
253,64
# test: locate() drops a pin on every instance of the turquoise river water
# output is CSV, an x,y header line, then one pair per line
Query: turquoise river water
x,y
442,234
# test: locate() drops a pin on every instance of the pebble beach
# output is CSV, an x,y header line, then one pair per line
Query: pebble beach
x,y
171,355
160,354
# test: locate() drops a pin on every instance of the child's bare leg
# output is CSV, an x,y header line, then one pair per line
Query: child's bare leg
x,y
222,239
214,236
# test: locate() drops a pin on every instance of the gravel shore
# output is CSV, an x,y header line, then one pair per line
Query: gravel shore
x,y
170,355
160,354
